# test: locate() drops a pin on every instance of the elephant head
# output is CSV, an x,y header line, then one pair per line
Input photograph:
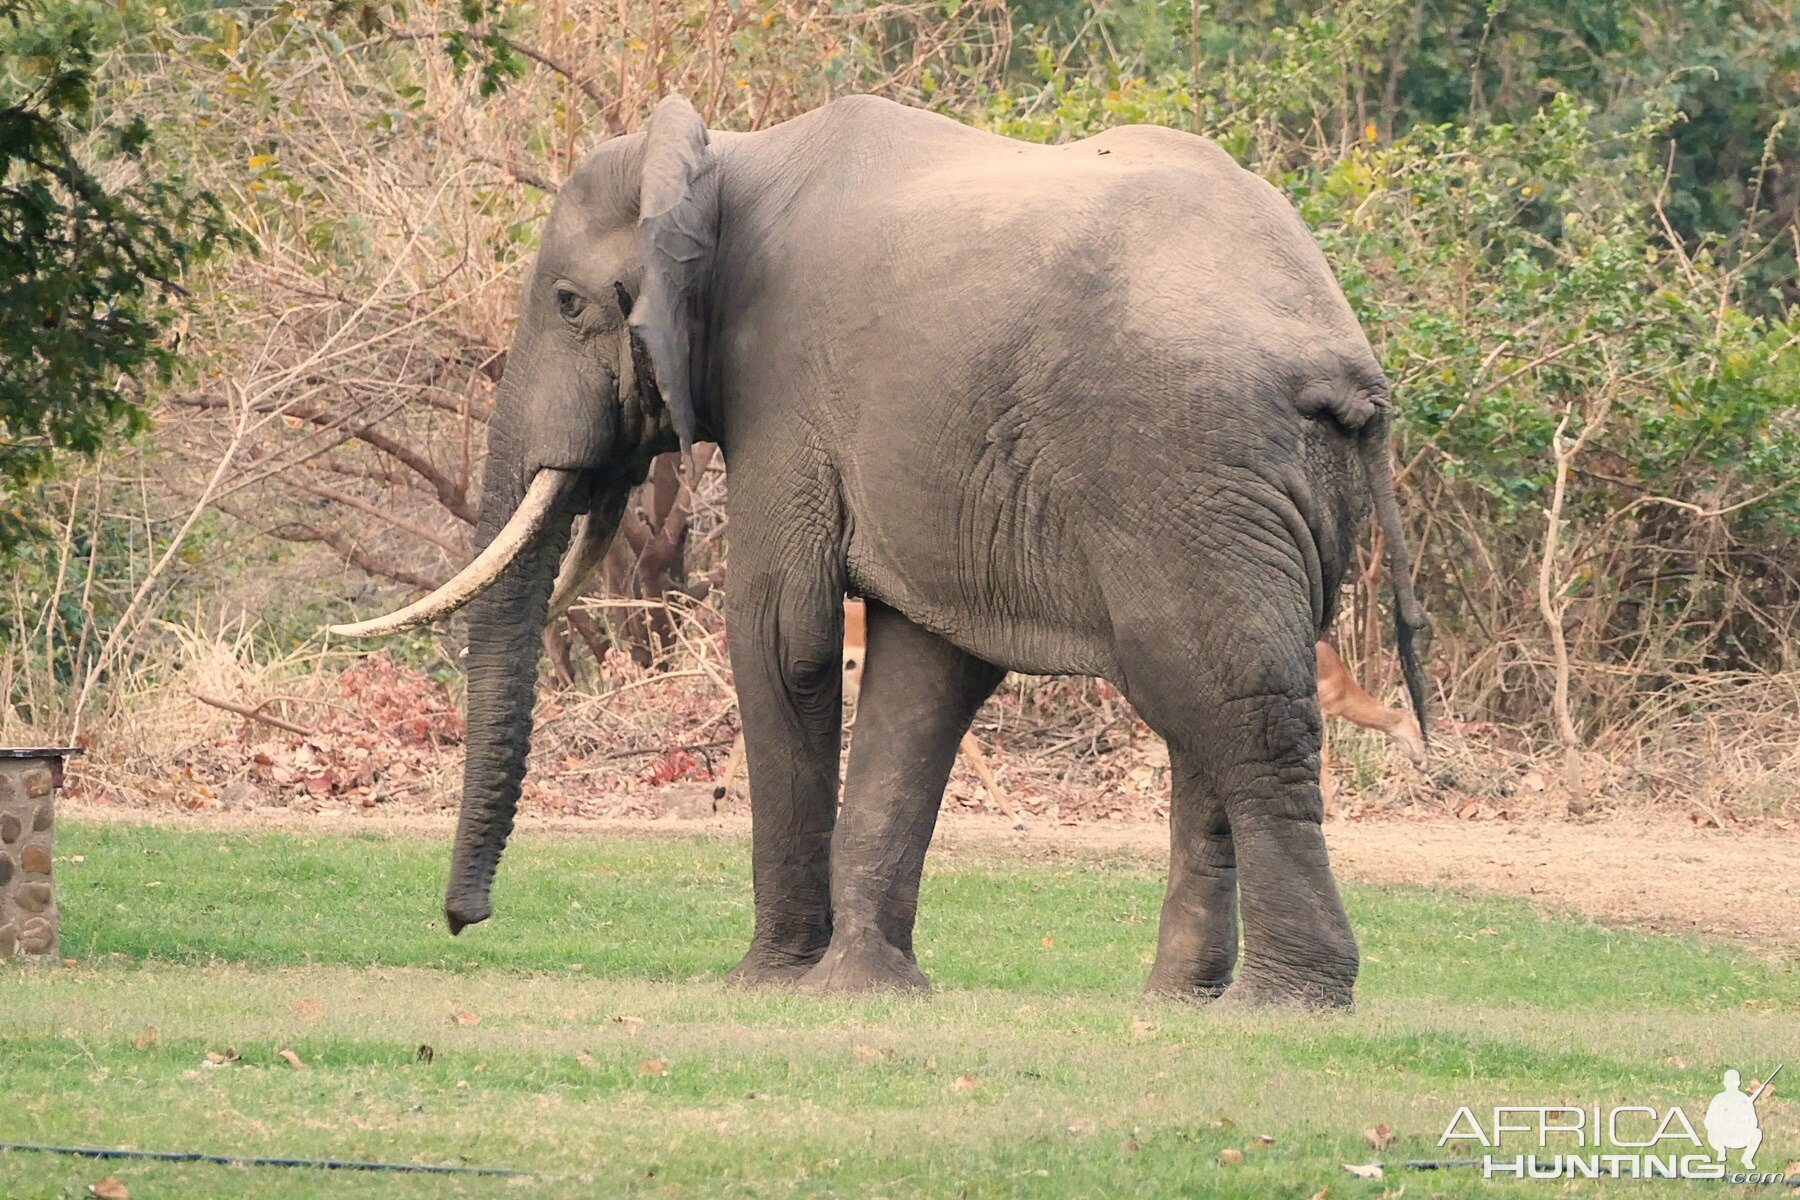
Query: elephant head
x,y
599,379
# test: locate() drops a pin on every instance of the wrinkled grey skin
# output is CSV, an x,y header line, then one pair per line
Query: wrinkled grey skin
x,y
1090,409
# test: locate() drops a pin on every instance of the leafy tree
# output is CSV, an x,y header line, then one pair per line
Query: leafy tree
x,y
94,237
1728,71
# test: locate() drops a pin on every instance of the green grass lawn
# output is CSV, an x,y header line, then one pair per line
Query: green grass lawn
x,y
606,1055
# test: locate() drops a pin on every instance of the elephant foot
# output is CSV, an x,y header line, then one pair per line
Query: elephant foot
x,y
772,967
864,964
1253,991
1175,986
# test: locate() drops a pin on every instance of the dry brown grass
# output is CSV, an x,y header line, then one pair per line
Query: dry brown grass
x,y
630,740
342,377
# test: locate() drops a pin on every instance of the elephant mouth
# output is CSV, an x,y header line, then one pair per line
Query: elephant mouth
x,y
591,540
548,487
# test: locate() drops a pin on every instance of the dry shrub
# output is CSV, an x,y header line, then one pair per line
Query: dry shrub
x,y
346,372
1721,749
151,746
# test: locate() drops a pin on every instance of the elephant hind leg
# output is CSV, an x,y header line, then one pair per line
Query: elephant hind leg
x,y
1243,725
1197,938
919,693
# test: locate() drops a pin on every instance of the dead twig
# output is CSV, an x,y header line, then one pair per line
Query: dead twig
x,y
253,714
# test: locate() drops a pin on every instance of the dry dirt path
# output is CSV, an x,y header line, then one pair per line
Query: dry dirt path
x,y
1667,877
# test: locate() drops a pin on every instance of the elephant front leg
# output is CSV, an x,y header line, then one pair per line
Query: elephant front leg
x,y
1197,938
919,693
786,628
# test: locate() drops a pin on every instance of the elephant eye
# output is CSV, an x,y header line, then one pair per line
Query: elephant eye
x,y
570,303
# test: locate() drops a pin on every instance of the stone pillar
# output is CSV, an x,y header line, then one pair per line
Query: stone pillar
x,y
28,783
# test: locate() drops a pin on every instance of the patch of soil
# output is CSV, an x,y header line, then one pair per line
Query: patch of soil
x,y
1666,877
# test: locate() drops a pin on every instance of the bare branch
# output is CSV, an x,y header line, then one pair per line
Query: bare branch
x,y
347,548
254,714
298,479
450,493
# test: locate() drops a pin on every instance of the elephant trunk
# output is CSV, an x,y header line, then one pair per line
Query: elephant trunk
x,y
506,622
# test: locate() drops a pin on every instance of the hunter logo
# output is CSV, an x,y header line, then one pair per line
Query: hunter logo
x,y
1632,1141
1731,1122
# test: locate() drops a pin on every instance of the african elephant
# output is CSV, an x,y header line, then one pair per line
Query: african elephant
x,y
1096,408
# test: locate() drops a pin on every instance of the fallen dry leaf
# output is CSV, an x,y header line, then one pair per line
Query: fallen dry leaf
x,y
653,1066
1364,1170
865,1055
1083,1128
145,1040
963,1083
1469,811
1141,1028
1231,1156
291,1059
1129,1147
1793,1169
1380,1137
308,1010
1322,1194
464,1017
110,1188
1675,1060
1533,781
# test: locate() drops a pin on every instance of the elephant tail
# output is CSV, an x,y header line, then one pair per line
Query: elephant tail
x,y
1409,614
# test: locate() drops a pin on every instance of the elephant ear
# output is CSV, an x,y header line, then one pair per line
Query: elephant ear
x,y
678,229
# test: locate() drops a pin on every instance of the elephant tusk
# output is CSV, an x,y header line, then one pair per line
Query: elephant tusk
x,y
587,551
540,499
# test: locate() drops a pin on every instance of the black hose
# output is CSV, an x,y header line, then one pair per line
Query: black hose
x,y
234,1160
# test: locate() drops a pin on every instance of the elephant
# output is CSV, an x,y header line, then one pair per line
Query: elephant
x,y
1097,408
